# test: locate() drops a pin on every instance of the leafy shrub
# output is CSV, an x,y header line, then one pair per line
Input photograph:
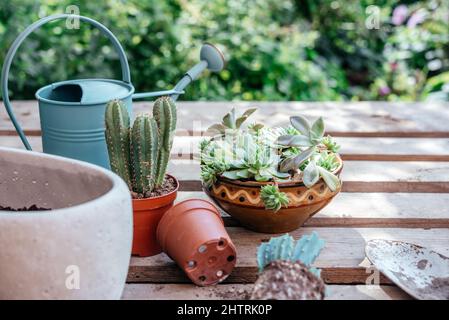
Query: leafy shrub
x,y
277,50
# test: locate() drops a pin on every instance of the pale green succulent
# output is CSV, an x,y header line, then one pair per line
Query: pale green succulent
x,y
231,121
316,168
260,153
244,156
273,198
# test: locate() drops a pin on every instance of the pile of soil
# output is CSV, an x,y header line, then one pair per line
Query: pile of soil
x,y
287,280
30,208
167,186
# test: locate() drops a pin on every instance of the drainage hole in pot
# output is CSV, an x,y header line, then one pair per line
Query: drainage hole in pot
x,y
219,273
202,249
191,264
231,258
202,278
221,243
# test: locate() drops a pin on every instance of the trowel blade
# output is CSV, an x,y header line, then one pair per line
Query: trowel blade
x,y
422,273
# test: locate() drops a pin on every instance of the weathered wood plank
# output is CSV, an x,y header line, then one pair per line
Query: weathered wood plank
x,y
342,260
243,291
375,149
408,119
379,171
358,176
387,210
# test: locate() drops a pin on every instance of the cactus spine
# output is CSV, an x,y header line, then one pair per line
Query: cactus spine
x,y
117,139
164,111
140,155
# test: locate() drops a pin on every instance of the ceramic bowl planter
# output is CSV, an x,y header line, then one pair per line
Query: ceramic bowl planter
x,y
192,233
81,248
147,214
241,199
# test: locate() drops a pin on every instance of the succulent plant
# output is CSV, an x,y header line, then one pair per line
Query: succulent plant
x,y
285,270
243,156
306,250
231,121
270,154
273,198
309,136
139,155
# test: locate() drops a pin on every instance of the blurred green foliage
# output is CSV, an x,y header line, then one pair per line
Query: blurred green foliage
x,y
277,50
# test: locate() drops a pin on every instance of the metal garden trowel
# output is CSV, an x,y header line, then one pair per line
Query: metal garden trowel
x,y
422,273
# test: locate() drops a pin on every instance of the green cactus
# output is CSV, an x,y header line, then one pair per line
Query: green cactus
x,y
140,155
144,153
164,111
117,139
306,250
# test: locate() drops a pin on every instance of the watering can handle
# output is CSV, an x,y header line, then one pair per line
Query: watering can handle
x,y
16,44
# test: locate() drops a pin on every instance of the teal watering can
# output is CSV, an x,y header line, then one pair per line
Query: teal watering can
x,y
72,112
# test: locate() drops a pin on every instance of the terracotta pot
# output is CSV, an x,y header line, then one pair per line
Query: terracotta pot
x,y
193,234
147,214
241,199
86,236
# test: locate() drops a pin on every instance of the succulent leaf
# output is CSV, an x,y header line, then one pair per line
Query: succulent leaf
x,y
311,174
294,141
301,124
293,163
317,130
331,180
243,117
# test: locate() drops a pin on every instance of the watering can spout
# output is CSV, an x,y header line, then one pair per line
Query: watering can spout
x,y
210,58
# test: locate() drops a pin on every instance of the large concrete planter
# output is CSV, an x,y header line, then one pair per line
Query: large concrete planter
x,y
80,249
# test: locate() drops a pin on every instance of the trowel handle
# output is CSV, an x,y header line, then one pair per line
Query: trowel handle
x,y
16,44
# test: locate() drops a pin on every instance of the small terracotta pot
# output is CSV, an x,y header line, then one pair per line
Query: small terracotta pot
x,y
193,234
147,213
241,199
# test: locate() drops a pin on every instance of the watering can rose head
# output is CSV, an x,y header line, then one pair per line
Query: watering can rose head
x,y
140,153
299,152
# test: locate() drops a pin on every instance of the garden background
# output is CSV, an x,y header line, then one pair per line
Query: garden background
x,y
307,50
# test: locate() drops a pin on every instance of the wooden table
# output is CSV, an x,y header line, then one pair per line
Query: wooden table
x,y
396,186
